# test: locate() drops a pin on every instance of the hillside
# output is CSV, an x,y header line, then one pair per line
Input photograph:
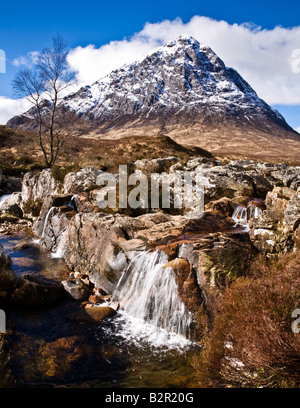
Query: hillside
x,y
183,90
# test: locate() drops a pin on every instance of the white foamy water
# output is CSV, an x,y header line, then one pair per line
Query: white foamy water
x,y
140,333
61,248
242,215
46,222
151,309
4,199
254,211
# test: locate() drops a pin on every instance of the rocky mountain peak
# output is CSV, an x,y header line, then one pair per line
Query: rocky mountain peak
x,y
192,51
181,83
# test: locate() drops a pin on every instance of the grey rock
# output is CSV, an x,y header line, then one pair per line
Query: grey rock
x,y
39,186
12,209
82,180
77,289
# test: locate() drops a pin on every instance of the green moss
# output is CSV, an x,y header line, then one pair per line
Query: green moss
x,y
59,172
8,217
32,207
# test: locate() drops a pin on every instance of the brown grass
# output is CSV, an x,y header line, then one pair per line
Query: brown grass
x,y
254,319
20,151
223,140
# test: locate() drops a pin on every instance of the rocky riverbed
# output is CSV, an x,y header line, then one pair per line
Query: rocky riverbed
x,y
251,208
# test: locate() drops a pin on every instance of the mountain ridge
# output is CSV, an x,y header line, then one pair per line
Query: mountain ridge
x,y
181,88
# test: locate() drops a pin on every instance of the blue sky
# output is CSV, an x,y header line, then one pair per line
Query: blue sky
x,y
29,26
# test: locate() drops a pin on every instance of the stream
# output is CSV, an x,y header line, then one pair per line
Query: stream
x,y
146,344
58,346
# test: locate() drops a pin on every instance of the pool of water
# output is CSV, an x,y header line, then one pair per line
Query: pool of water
x,y
58,345
33,259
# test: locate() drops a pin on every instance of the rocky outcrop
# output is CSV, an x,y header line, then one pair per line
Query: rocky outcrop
x,y
81,181
204,266
37,186
291,220
94,248
77,289
207,254
8,277
35,291
277,229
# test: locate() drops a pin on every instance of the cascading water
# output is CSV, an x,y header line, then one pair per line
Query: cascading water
x,y
4,199
151,310
242,215
254,211
46,222
61,247
63,236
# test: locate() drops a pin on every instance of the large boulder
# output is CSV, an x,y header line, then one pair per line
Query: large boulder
x,y
93,249
8,277
291,220
38,186
188,289
77,289
35,290
276,229
98,313
12,209
81,181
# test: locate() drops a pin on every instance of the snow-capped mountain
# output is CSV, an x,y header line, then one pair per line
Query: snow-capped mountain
x,y
182,83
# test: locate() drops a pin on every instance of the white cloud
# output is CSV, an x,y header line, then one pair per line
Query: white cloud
x,y
12,107
93,63
297,129
262,57
29,59
265,58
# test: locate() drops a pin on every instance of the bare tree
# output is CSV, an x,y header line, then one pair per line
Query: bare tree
x,y
44,85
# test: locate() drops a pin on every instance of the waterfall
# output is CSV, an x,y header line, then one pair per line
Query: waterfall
x,y
242,215
46,221
254,211
61,247
4,199
148,295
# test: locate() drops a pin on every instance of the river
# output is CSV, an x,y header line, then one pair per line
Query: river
x,y
58,345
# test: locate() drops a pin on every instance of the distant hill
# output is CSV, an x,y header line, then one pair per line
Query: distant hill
x,y
184,90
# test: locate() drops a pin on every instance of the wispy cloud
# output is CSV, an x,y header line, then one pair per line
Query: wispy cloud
x,y
12,107
28,60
